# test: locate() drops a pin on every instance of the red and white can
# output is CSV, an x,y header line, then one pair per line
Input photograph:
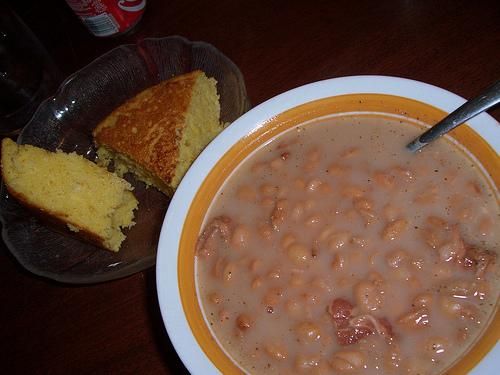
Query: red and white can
x,y
108,17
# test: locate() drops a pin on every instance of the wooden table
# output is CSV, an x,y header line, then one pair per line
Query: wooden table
x,y
116,327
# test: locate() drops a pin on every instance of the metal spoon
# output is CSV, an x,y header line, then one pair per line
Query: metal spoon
x,y
484,101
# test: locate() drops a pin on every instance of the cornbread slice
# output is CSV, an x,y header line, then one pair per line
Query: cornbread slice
x,y
70,190
157,134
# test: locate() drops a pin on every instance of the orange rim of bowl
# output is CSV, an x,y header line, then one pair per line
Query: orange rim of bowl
x,y
382,105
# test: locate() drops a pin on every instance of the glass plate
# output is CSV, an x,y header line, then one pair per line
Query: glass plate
x,y
66,120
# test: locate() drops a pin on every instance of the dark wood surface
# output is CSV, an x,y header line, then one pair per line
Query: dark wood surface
x,y
116,327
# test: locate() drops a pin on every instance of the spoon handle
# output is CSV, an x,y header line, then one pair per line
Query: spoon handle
x,y
484,101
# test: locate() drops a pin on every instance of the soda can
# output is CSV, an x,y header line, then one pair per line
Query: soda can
x,y
108,17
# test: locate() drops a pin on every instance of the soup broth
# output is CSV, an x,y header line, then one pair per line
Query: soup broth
x,y
332,249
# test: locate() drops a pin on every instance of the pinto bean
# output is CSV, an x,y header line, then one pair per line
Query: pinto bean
x,y
396,258
459,309
309,204
390,213
418,264
418,318
343,281
437,222
345,361
414,282
402,273
468,289
376,279
352,191
325,233
274,273
336,170
402,173
363,204
287,240
322,284
246,193
255,265
215,298
229,271
356,257
392,359
313,155
464,213
367,296
224,315
436,346
258,168
462,334
423,300
257,283
276,351
486,226
268,190
350,152
277,163
373,258
244,322
431,237
325,189
364,207
307,332
442,270
294,308
299,254
384,179
428,196
240,237
297,279
414,366
474,188
273,297
338,240
435,231
307,362
278,214
313,185
283,191
312,220
297,211
267,202
218,268
311,298
454,249
359,241
310,166
299,183
368,216
265,231
394,229
339,261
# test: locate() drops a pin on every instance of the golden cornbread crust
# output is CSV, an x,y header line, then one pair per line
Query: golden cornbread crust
x,y
58,223
146,131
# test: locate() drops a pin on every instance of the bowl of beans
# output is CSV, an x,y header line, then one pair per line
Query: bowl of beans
x,y
307,239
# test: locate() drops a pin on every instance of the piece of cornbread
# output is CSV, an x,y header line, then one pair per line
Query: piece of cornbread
x,y
71,190
157,134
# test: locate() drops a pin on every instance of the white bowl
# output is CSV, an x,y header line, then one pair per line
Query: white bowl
x,y
168,270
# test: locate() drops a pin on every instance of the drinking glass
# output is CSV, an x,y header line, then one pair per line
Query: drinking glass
x,y
27,73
